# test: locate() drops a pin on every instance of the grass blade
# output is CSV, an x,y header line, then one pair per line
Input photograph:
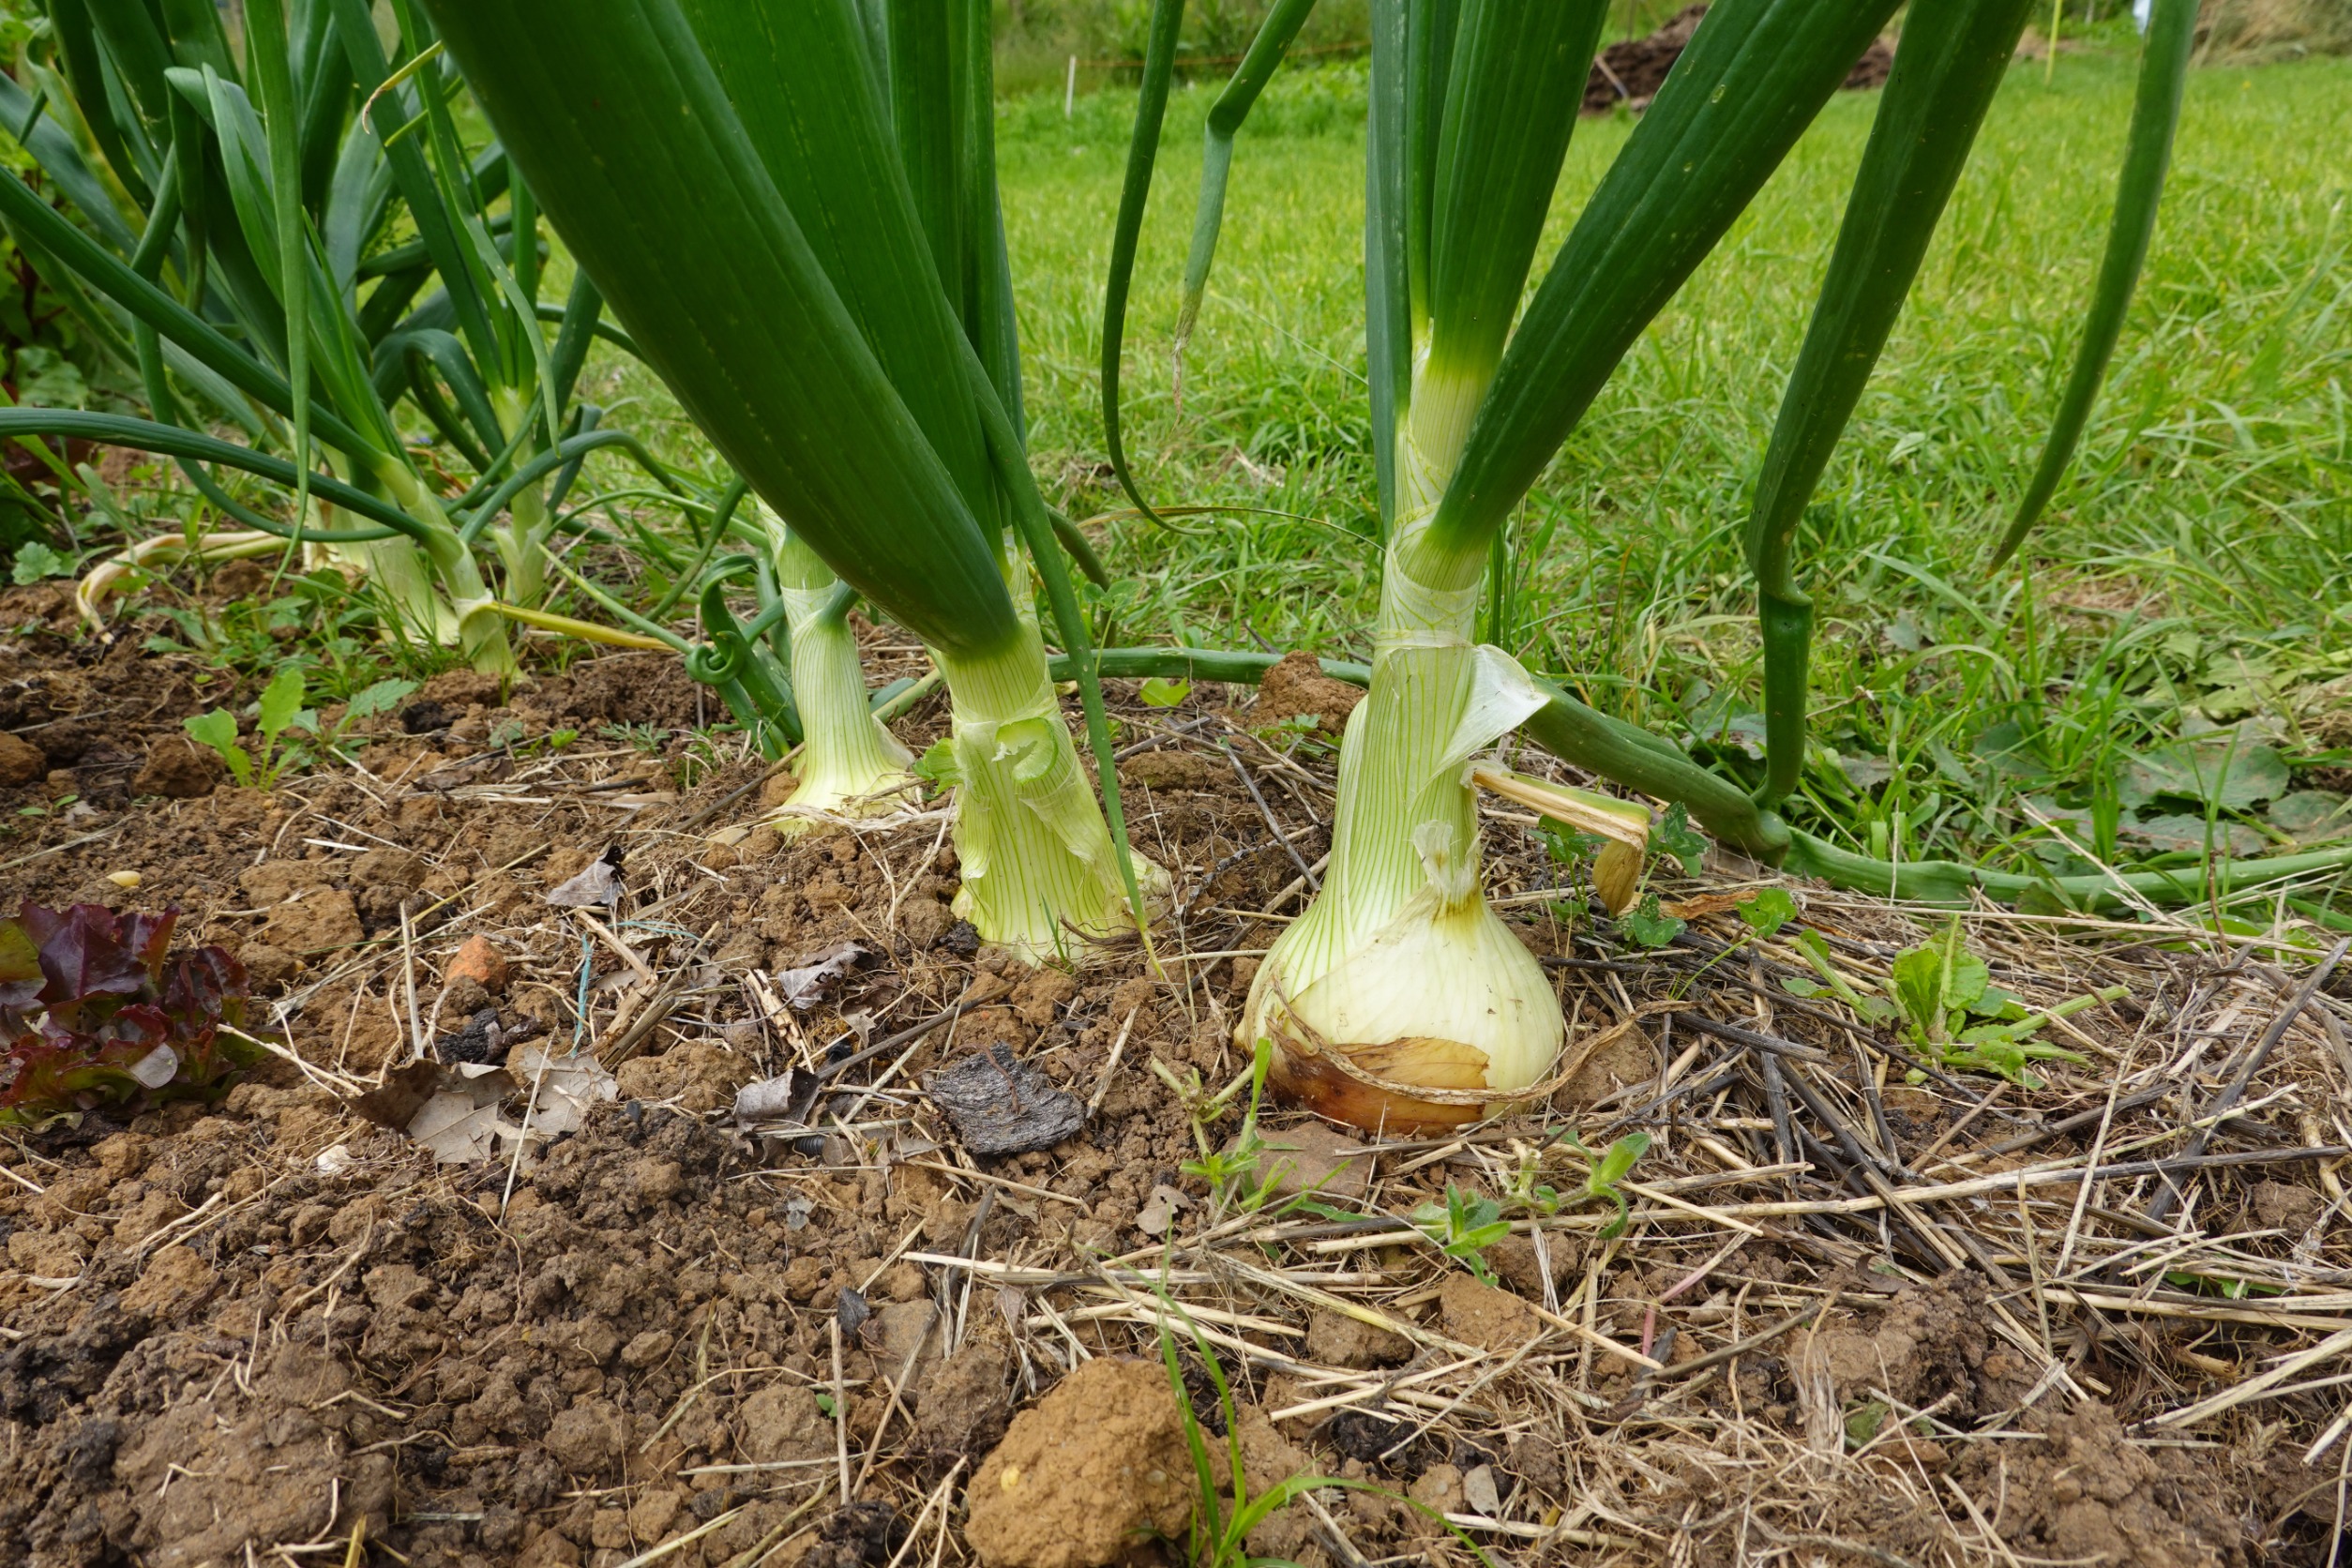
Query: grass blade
x,y
2155,115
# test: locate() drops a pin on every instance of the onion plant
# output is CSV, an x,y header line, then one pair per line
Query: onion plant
x,y
792,211
1398,997
234,244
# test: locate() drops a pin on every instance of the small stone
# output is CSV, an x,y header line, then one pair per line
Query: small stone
x,y
178,769
1481,1492
20,760
124,879
480,962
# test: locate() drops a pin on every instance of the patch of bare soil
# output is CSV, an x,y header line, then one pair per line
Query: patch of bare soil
x,y
1631,71
834,1334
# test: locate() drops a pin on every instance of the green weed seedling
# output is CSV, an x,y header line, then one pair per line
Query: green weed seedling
x,y
1465,1225
1463,1228
1601,1185
275,712
1816,953
1160,692
1242,1177
1951,1013
1223,1512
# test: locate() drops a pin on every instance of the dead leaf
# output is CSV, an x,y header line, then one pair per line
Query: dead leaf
x,y
1160,1210
598,886
770,1099
1702,904
805,984
569,1088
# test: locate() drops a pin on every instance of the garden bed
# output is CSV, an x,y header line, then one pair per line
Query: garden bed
x,y
261,1331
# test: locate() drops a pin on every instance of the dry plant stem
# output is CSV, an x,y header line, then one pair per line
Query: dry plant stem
x,y
2162,1205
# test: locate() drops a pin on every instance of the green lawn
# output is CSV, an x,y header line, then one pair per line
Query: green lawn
x,y
2193,568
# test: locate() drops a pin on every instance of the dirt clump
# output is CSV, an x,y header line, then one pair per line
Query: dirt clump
x,y
178,769
1087,1474
2089,1494
21,763
1296,688
1339,1340
1480,1315
1922,1345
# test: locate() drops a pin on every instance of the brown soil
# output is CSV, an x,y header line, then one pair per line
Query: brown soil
x,y
262,1327
1632,71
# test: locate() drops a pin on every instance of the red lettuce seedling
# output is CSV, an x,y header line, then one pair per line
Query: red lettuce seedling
x,y
92,1015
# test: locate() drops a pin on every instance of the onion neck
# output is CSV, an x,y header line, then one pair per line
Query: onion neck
x,y
1039,871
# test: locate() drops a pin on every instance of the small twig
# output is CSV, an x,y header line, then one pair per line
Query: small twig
x,y
1266,811
1102,1087
841,1412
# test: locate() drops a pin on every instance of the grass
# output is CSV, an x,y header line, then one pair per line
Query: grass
x,y
2193,573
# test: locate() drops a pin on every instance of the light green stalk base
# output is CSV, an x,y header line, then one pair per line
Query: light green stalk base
x,y
851,764
479,631
1040,874
1398,966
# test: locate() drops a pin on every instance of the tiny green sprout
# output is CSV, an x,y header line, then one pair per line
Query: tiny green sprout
x,y
379,698
1611,1169
1815,952
217,729
1647,926
1675,835
278,709
1767,911
1527,1193
1463,1228
1222,1523
1160,692
1229,1172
